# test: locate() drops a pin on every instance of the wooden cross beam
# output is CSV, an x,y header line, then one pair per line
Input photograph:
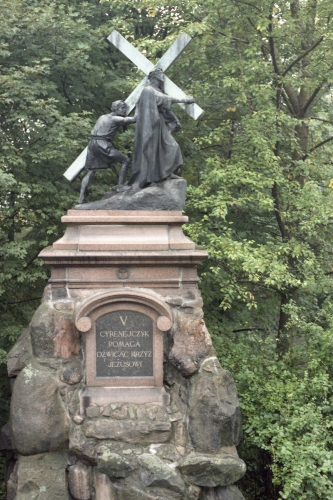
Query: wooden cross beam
x,y
146,66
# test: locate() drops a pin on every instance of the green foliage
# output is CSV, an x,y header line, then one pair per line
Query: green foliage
x,y
260,197
287,405
262,209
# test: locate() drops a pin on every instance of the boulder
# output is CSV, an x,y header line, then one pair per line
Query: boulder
x,y
20,355
80,481
71,374
191,343
185,301
81,447
214,411
53,334
128,431
42,477
113,465
6,443
39,422
93,411
106,490
137,493
166,195
212,470
157,473
10,478
222,493
71,398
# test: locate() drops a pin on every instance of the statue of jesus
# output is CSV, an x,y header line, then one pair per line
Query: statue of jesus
x,y
156,154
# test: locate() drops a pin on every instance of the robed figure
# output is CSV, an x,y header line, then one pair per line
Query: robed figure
x,y
156,154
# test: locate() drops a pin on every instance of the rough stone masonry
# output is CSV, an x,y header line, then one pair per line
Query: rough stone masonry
x,y
62,446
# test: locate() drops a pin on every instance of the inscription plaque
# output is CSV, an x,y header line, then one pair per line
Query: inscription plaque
x,y
124,345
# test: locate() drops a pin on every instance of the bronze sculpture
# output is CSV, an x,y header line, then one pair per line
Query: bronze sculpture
x,y
156,155
101,151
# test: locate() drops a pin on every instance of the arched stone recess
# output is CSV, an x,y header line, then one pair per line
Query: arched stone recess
x,y
124,345
128,296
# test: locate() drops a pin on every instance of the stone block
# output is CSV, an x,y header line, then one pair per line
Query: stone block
x,y
93,411
59,293
71,399
80,481
222,493
212,470
136,491
20,355
6,443
71,374
81,447
78,419
39,422
113,465
157,473
42,477
214,412
11,479
53,334
193,492
104,489
191,343
128,431
191,301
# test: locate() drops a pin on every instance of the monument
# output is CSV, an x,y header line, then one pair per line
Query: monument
x,y
117,391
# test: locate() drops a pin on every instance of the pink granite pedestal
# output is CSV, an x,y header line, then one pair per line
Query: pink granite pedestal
x,y
121,249
120,260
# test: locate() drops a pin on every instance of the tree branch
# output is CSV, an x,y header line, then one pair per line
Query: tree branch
x,y
234,38
63,83
291,65
288,103
20,301
320,119
271,44
210,146
250,5
277,210
293,99
248,330
311,99
318,146
319,95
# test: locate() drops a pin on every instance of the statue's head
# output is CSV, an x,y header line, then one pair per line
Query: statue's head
x,y
119,108
156,73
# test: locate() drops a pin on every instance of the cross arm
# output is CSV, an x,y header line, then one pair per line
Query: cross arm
x,y
131,52
174,91
174,51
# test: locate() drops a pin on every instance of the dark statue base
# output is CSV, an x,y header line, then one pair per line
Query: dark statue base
x,y
166,195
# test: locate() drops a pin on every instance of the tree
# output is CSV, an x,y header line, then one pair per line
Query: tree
x,y
263,210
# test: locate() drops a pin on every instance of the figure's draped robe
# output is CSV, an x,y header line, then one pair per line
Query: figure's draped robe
x,y
156,153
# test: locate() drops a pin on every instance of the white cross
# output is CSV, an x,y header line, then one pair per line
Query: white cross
x,y
146,66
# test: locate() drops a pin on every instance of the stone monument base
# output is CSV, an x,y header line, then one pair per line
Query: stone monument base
x,y
102,396
165,195
117,391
